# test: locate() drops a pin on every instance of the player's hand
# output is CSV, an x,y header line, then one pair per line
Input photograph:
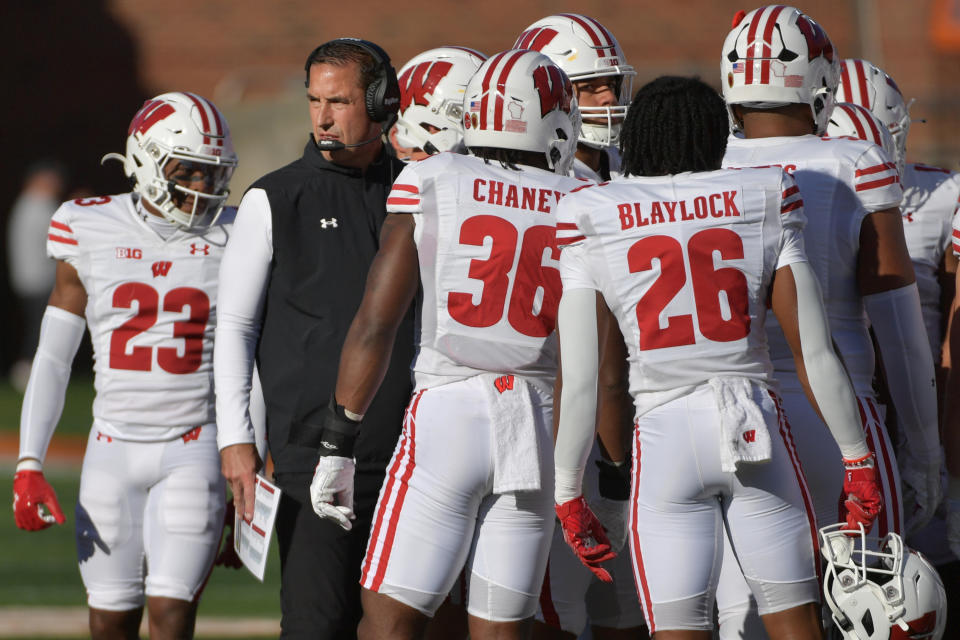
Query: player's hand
x,y
584,533
863,498
35,505
331,491
922,490
239,464
228,553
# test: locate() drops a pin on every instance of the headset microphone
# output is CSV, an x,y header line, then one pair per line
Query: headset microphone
x,y
336,145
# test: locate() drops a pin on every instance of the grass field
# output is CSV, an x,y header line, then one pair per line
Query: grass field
x,y
40,568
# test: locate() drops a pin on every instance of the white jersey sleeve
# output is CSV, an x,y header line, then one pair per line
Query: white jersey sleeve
x,y
792,222
62,242
244,273
930,197
876,181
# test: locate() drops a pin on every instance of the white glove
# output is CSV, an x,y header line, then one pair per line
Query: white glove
x,y
331,491
613,515
922,490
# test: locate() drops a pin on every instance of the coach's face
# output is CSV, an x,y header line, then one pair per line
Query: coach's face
x,y
338,112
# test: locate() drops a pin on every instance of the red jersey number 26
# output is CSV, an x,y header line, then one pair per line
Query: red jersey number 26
x,y
717,322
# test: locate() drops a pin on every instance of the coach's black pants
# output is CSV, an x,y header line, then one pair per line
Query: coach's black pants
x,y
319,561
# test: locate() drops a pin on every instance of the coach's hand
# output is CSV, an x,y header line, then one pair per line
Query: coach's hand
x,y
584,533
35,505
239,464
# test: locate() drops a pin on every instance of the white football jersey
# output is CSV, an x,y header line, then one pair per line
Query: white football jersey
x,y
488,266
842,181
151,313
930,196
685,263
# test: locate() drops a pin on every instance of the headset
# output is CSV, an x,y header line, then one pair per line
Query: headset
x,y
382,98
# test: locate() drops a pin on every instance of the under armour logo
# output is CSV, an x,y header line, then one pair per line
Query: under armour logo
x,y
161,268
750,436
908,216
195,249
503,383
324,223
107,438
193,434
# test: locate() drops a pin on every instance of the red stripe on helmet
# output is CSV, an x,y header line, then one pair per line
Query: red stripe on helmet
x,y
606,34
872,123
472,52
862,83
845,81
748,56
523,42
544,37
767,38
204,117
591,31
485,88
855,118
501,89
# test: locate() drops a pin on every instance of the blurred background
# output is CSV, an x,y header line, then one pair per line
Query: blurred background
x,y
76,72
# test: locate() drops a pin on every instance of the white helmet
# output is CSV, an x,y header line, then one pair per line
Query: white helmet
x,y
585,49
853,121
892,592
190,129
521,100
776,55
431,93
867,85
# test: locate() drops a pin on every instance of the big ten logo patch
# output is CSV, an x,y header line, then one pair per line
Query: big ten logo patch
x,y
129,253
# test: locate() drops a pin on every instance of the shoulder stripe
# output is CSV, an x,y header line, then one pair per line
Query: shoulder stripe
x,y
875,169
61,239
790,191
405,187
566,226
60,226
412,202
787,208
877,183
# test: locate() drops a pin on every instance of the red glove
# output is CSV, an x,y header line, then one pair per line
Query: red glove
x,y
863,498
584,533
228,553
35,505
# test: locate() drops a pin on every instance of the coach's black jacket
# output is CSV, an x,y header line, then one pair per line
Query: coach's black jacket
x,y
326,230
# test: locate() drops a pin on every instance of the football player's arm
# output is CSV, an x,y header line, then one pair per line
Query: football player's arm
x,y
892,300
797,303
614,406
391,286
244,273
887,283
61,331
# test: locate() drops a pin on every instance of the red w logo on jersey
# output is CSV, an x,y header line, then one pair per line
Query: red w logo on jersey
x,y
418,81
503,383
554,89
161,268
152,112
